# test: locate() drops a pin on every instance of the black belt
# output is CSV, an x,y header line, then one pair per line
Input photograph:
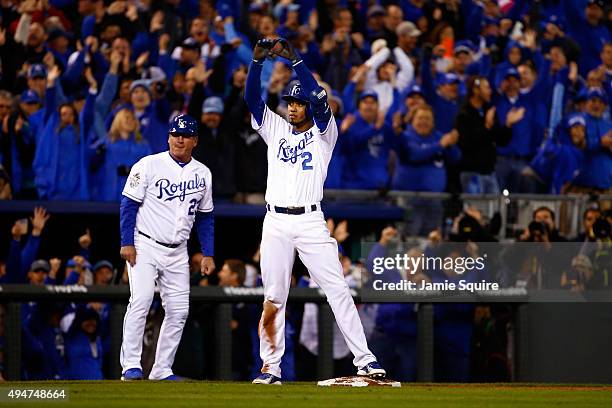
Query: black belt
x,y
160,243
291,210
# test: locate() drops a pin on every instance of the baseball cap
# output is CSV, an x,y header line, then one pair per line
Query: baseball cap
x,y
597,93
154,74
40,265
37,71
296,93
368,94
183,125
448,78
511,72
29,96
407,28
376,10
415,89
553,19
293,7
600,3
143,83
72,264
190,44
256,8
57,33
102,264
212,104
463,46
582,95
575,119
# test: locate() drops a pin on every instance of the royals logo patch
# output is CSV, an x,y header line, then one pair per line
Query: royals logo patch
x,y
134,180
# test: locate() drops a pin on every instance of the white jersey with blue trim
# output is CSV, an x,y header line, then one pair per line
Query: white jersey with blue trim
x,y
170,194
297,162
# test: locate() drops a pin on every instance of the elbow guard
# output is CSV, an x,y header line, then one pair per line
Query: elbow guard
x,y
321,111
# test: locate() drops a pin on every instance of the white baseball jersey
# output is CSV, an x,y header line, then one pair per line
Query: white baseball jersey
x,y
170,195
297,162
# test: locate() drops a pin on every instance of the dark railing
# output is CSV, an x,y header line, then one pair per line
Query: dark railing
x,y
223,298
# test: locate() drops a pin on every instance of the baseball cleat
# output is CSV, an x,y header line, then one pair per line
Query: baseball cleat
x,y
173,377
372,369
132,374
267,378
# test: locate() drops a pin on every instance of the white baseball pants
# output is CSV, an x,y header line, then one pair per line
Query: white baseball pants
x,y
169,268
282,235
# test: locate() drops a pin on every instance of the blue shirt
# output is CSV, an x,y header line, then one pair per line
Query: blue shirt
x,y
422,160
367,154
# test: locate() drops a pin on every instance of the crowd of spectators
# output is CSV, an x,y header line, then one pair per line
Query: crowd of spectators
x,y
472,96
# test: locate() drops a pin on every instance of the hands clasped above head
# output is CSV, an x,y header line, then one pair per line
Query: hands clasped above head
x,y
275,47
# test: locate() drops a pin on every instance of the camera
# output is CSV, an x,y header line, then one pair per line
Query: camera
x,y
538,227
602,229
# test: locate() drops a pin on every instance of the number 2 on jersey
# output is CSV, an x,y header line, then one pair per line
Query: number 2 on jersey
x,y
192,203
307,159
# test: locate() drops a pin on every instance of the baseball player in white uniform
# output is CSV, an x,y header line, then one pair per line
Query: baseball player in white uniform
x,y
164,195
299,152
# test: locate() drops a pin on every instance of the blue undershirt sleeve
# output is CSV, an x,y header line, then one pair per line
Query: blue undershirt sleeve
x,y
321,110
127,220
252,93
205,224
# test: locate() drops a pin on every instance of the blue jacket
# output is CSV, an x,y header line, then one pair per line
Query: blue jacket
x,y
422,161
60,162
557,162
526,134
102,107
83,363
445,110
121,153
502,67
590,38
43,344
19,149
367,153
596,171
19,260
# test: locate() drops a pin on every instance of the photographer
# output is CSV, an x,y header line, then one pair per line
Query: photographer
x,y
592,267
542,265
542,228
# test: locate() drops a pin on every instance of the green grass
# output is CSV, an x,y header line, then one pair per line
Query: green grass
x,y
110,394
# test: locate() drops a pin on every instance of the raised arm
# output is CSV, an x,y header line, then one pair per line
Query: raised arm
x,y
252,93
104,99
406,72
373,63
317,96
50,94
